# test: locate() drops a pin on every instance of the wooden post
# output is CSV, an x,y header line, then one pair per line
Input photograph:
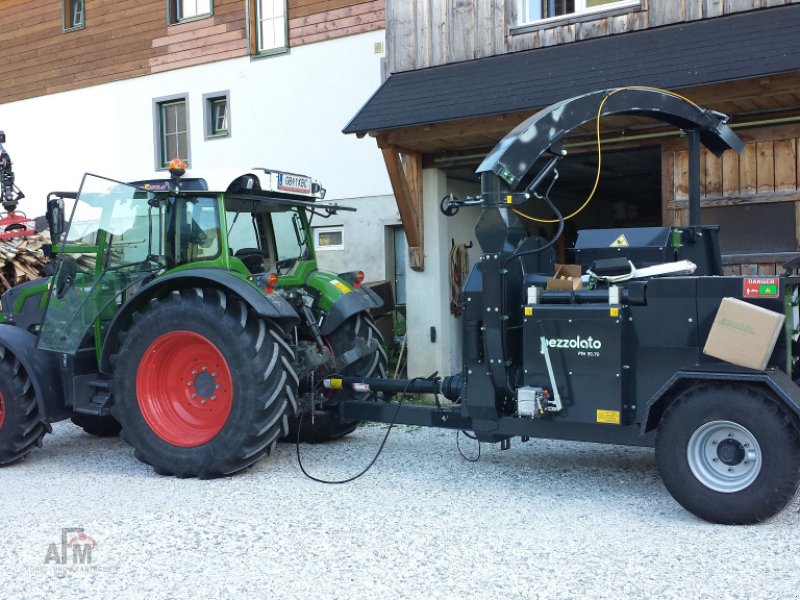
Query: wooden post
x,y
405,175
694,177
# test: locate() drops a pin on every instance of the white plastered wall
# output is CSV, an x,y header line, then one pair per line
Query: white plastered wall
x,y
428,291
286,112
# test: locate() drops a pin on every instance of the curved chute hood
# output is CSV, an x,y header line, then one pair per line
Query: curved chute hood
x,y
513,158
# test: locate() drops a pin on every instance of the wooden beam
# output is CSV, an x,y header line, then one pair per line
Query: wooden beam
x,y
405,175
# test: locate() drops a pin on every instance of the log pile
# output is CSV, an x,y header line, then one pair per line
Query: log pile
x,y
22,259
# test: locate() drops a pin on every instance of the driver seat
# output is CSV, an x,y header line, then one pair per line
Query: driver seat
x,y
253,259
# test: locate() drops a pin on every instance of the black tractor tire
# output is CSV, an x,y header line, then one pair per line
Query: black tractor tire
x,y
203,386
325,426
21,429
100,426
729,454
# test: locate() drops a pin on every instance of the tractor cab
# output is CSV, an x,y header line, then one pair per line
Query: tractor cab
x,y
120,236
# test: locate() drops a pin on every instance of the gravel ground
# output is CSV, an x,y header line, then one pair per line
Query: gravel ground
x,y
541,520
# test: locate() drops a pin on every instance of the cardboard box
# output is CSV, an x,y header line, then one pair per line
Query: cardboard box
x,y
567,277
743,334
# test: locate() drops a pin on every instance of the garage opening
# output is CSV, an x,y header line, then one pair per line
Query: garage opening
x,y
628,193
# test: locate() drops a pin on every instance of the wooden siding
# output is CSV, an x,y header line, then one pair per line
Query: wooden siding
x,y
765,172
333,19
131,38
198,42
424,33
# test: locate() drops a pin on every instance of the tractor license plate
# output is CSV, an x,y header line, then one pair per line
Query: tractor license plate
x,y
294,183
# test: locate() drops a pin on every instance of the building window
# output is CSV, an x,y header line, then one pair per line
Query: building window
x,y
217,114
329,238
171,118
72,11
537,10
186,10
271,26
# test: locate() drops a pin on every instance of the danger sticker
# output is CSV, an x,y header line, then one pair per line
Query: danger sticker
x,y
620,242
760,287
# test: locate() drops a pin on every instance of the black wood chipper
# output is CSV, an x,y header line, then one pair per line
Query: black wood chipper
x,y
620,359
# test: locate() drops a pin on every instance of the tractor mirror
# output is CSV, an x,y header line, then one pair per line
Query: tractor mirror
x,y
299,232
55,218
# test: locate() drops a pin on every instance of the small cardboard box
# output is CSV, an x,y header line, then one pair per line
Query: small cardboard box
x,y
566,277
743,334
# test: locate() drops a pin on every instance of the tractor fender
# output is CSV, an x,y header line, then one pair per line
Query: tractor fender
x,y
355,301
271,306
42,368
776,381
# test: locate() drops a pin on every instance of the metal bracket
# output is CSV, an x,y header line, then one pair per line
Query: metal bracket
x,y
556,406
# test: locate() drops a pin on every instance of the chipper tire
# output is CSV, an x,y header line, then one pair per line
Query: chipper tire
x,y
100,426
325,427
204,387
21,429
729,454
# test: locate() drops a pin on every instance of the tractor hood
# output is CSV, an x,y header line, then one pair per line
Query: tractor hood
x,y
513,158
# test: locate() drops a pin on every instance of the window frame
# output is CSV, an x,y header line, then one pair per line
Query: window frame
x,y
584,14
65,14
254,31
209,117
328,229
162,161
172,13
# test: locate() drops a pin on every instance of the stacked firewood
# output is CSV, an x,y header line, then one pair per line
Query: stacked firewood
x,y
22,259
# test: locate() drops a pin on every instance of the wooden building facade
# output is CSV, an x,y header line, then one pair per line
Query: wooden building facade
x,y
46,50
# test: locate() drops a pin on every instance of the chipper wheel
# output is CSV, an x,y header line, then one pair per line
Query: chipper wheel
x,y
20,428
729,454
325,427
101,426
203,386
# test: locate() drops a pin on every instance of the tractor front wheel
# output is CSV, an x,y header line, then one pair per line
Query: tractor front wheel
x,y
203,386
729,454
21,430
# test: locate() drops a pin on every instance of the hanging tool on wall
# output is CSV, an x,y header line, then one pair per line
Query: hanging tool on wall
x,y
459,266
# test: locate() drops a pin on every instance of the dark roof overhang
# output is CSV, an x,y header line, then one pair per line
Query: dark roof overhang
x,y
740,46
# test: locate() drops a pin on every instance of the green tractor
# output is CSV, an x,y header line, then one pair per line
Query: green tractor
x,y
194,320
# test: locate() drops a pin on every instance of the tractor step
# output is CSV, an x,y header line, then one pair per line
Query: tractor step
x,y
98,393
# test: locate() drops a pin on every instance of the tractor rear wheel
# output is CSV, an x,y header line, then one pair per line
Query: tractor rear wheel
x,y
21,430
729,454
105,426
325,426
203,386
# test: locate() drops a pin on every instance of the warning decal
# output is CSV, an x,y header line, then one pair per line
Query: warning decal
x,y
760,287
620,242
608,416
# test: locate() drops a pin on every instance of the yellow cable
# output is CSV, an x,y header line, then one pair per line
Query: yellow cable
x,y
599,151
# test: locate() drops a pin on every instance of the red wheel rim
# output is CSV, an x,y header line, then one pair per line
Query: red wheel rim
x,y
184,388
2,411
